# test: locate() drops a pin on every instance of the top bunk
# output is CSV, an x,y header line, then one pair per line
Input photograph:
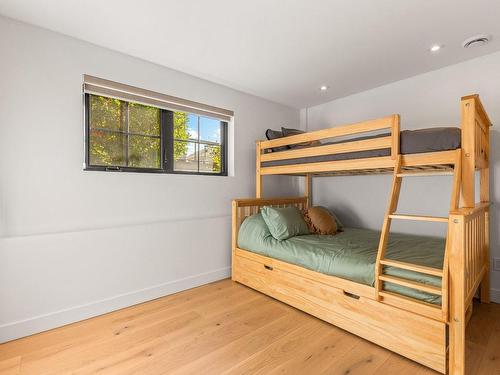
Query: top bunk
x,y
372,147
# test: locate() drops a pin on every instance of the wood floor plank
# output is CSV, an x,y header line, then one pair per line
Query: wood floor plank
x,y
364,359
213,305
283,349
212,338
110,348
479,327
237,351
490,363
397,364
225,328
10,366
318,355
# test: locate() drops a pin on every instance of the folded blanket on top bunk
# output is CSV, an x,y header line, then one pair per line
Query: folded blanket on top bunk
x,y
350,254
411,142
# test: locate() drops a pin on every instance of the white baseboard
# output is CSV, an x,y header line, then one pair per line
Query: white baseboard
x,y
15,330
495,295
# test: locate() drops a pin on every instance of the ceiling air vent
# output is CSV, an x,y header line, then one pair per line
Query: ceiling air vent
x,y
476,41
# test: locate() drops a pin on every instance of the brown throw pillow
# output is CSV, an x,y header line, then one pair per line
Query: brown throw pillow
x,y
320,221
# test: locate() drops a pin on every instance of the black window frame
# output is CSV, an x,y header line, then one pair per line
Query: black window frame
x,y
166,146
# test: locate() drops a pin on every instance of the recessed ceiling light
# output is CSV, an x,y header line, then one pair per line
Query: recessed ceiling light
x,y
435,48
323,88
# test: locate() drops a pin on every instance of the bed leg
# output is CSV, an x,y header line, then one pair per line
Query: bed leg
x,y
258,176
485,282
308,189
258,186
456,365
234,234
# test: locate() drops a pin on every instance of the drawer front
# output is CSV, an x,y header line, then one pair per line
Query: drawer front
x,y
413,336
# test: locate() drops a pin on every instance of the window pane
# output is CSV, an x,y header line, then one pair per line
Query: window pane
x,y
144,152
210,129
124,134
107,148
185,156
107,113
210,158
144,119
185,126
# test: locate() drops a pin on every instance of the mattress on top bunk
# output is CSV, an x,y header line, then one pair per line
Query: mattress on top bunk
x,y
411,142
350,254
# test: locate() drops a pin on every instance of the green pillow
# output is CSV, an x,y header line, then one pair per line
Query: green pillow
x,y
284,223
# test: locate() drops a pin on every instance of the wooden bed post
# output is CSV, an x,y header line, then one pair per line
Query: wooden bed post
x,y
457,287
484,196
258,176
468,125
308,189
234,233
476,153
395,136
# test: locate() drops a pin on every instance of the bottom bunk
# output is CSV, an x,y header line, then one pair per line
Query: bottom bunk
x,y
351,254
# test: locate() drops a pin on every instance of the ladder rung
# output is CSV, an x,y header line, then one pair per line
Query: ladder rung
x,y
411,284
419,218
425,174
413,267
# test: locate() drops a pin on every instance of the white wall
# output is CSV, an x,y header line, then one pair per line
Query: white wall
x,y
427,100
74,243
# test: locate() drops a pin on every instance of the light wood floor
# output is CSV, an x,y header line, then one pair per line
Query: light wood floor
x,y
225,328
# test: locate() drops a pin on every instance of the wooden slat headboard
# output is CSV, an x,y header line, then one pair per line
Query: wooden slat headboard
x,y
242,208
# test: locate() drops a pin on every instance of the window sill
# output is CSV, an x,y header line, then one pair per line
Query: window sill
x,y
154,171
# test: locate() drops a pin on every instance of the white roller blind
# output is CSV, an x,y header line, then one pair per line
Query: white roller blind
x,y
104,87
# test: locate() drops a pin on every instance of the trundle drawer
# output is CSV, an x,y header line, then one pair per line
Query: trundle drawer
x,y
414,336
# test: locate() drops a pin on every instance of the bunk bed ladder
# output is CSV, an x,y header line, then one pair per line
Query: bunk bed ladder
x,y
386,226
434,311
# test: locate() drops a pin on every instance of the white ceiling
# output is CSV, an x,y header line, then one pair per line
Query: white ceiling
x,y
282,50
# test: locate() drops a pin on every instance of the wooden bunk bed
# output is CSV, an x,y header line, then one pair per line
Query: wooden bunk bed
x,y
431,335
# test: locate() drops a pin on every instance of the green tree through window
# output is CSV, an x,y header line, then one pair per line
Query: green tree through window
x,y
180,132
124,134
200,150
131,136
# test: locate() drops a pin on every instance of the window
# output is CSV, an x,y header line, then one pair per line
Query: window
x,y
127,136
197,143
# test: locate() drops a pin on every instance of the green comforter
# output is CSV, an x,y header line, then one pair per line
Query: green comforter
x,y
350,254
